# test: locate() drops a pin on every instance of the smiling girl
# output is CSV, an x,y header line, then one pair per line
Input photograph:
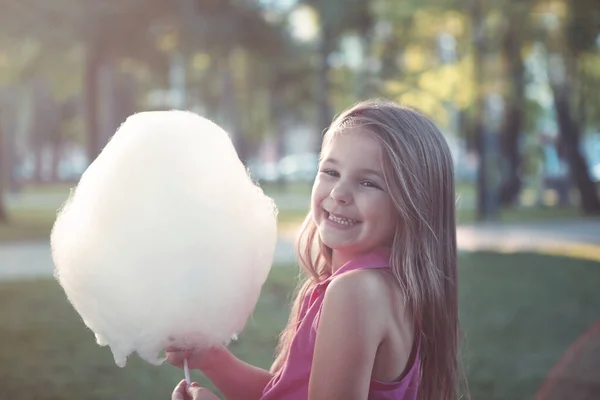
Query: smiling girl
x,y
377,317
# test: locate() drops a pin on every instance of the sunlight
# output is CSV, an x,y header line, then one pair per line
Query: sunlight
x,y
303,24
415,58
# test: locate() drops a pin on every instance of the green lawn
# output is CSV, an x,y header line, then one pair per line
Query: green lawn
x,y
27,225
529,214
519,313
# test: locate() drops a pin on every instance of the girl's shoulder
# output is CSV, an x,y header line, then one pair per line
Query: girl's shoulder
x,y
375,281
373,290
363,279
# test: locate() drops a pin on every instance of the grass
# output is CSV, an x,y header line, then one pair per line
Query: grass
x,y
526,214
519,314
27,225
47,353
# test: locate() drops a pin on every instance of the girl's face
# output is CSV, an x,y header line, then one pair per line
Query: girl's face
x,y
351,205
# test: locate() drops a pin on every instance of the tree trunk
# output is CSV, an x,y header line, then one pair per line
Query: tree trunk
x,y
4,172
478,28
277,114
489,107
90,84
38,153
230,119
56,154
513,124
43,129
389,58
570,132
11,161
325,115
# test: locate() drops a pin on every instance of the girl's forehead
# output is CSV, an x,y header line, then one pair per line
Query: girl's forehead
x,y
357,146
352,139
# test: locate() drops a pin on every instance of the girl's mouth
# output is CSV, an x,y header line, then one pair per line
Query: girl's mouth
x,y
340,219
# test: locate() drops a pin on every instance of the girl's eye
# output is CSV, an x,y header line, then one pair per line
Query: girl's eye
x,y
370,184
330,172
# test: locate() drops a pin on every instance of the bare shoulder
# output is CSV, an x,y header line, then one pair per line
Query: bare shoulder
x,y
351,334
359,336
367,289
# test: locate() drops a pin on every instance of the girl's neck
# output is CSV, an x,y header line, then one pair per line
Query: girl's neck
x,y
339,258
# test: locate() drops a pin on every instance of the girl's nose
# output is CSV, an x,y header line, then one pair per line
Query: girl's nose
x,y
340,194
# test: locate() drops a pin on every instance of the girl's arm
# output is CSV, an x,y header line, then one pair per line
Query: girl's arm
x,y
233,377
351,328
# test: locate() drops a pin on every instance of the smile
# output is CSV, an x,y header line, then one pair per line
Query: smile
x,y
341,221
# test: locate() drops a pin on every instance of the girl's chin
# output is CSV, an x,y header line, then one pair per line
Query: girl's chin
x,y
336,243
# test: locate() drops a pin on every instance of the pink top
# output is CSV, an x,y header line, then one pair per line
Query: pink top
x,y
291,383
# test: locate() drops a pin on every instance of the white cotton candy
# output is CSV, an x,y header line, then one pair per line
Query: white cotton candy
x,y
166,240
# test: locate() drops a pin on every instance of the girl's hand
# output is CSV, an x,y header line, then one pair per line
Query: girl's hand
x,y
193,392
197,359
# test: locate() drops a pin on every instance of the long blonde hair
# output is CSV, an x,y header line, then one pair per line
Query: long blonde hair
x,y
419,175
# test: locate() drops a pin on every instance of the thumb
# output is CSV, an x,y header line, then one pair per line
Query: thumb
x,y
195,391
179,393
178,396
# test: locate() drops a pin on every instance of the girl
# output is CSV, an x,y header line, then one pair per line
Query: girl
x,y
377,317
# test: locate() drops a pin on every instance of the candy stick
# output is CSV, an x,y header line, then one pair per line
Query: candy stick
x,y
186,371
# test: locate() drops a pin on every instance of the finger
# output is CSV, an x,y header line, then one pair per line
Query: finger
x,y
175,359
180,391
199,393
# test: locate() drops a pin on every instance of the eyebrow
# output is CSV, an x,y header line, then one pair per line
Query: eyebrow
x,y
367,171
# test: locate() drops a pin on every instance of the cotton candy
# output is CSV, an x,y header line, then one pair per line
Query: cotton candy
x,y
166,240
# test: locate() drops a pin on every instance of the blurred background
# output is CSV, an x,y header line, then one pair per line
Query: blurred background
x,y
513,85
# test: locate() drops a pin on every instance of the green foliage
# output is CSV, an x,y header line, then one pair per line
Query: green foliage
x,y
274,77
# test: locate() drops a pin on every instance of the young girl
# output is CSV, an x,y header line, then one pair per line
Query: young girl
x,y
377,317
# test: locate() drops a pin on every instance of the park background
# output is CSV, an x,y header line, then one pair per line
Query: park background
x,y
513,85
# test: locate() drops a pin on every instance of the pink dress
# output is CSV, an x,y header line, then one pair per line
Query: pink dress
x,y
291,383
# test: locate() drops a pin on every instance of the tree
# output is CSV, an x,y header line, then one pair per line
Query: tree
x,y
486,190
565,46
235,35
3,173
336,18
514,36
217,27
61,25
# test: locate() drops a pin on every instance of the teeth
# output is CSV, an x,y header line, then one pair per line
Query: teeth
x,y
341,221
